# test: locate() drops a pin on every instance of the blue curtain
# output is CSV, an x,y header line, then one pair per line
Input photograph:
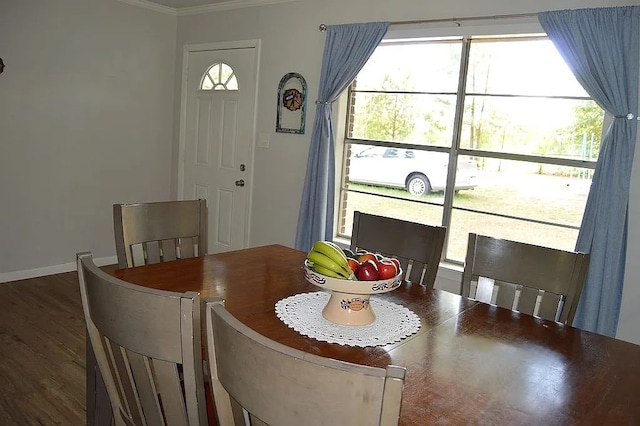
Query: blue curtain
x,y
602,48
346,50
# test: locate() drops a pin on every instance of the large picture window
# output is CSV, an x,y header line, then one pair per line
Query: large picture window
x,y
484,134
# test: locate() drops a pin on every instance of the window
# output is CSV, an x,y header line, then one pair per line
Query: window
x,y
219,77
484,134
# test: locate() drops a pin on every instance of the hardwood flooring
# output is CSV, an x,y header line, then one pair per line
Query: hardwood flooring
x,y
42,352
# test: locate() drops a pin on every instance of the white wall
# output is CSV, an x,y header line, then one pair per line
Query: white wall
x,y
86,104
291,42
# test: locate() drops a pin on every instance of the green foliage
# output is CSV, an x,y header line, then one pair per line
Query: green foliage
x,y
475,115
587,125
436,120
581,138
386,116
589,118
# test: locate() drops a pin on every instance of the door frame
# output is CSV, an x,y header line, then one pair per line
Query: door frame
x,y
200,47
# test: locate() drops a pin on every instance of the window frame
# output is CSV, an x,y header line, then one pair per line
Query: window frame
x,y
467,35
217,85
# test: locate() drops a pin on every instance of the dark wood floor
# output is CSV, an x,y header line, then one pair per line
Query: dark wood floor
x,y
42,352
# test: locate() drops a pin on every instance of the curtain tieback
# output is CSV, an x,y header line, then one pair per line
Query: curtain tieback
x,y
322,103
629,116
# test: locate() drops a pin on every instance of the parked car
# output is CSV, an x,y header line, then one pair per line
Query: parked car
x,y
419,172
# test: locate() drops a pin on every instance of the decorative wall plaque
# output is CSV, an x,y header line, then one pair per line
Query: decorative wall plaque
x,y
292,104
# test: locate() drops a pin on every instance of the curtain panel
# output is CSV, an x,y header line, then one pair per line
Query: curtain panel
x,y
346,50
602,48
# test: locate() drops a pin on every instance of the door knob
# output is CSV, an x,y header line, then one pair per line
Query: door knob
x,y
240,182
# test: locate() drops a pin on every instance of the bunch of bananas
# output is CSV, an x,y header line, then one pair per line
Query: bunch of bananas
x,y
328,259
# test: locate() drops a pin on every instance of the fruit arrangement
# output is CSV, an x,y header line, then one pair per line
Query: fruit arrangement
x,y
328,259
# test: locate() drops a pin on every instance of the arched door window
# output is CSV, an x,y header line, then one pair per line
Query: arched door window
x,y
219,76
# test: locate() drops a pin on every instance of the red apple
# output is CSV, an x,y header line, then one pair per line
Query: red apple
x,y
368,271
387,269
396,262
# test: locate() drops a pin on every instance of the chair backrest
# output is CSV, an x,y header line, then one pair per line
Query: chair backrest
x,y
278,385
160,231
531,279
418,247
147,345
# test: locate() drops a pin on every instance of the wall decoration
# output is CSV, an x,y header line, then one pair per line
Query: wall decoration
x,y
292,103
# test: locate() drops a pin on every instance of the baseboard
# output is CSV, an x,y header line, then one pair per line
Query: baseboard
x,y
6,277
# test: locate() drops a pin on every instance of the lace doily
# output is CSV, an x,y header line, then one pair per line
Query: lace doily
x,y
303,313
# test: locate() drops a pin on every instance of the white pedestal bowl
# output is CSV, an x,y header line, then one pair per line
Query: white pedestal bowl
x,y
349,303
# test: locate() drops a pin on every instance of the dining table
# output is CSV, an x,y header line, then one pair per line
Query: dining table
x,y
467,363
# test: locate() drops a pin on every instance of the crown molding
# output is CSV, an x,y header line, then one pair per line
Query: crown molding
x,y
153,6
195,10
227,5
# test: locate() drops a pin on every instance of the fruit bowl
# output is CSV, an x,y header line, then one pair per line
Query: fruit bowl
x,y
349,302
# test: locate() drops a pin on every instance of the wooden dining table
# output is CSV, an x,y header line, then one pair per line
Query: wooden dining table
x,y
469,363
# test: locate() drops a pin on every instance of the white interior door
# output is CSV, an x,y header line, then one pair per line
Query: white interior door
x,y
218,140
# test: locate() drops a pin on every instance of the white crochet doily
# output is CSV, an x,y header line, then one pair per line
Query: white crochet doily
x,y
303,313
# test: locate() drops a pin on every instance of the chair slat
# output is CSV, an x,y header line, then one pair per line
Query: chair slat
x,y
256,421
121,373
417,272
549,306
484,290
188,248
169,249
527,301
152,252
506,293
137,255
146,389
168,385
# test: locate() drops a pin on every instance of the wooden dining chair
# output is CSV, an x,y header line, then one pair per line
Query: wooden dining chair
x,y
534,280
260,380
418,247
148,348
159,231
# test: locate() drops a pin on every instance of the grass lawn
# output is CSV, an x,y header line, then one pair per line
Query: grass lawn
x,y
554,199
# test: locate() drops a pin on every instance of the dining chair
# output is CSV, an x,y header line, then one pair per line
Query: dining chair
x,y
147,345
258,381
534,280
417,246
159,231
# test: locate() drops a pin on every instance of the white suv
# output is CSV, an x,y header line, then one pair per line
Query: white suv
x,y
419,172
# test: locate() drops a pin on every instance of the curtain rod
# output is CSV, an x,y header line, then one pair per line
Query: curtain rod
x,y
323,27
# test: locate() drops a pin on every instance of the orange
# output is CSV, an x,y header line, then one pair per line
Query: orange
x,y
353,264
367,256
